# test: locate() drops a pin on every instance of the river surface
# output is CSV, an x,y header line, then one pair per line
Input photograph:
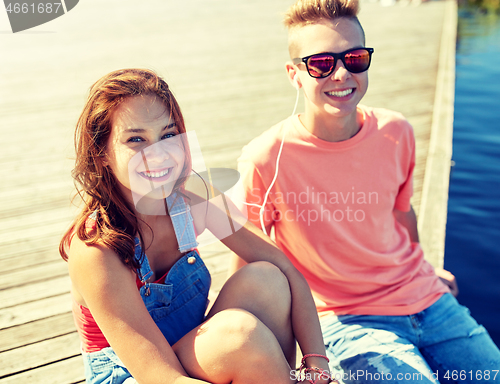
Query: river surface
x,y
473,229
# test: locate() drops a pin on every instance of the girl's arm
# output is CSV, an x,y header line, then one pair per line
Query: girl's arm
x,y
251,245
110,292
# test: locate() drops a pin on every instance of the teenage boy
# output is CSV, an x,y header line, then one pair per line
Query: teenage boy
x,y
340,208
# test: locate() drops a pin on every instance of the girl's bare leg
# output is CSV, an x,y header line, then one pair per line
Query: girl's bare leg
x,y
235,347
262,289
248,336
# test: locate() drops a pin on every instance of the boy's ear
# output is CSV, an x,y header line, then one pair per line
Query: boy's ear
x,y
293,75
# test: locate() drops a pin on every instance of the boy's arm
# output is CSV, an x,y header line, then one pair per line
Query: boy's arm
x,y
409,221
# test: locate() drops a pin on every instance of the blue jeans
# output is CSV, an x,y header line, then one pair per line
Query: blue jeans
x,y
441,344
104,367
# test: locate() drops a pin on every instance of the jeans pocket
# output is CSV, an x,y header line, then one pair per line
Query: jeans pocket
x,y
186,312
98,368
120,375
105,367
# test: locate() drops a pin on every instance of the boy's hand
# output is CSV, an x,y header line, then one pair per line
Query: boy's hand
x,y
449,279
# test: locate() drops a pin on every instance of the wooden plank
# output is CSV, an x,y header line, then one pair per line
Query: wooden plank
x,y
36,331
33,236
35,355
23,260
68,371
235,99
218,264
20,247
39,223
37,273
434,206
24,313
35,291
218,280
23,204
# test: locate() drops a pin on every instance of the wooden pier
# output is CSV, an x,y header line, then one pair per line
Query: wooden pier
x,y
224,60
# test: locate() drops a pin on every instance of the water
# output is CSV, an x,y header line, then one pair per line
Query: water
x,y
473,230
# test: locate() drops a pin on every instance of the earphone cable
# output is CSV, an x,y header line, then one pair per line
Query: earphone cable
x,y
262,208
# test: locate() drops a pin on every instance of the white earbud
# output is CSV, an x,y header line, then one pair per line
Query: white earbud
x,y
295,82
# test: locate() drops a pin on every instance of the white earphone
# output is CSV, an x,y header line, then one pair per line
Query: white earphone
x,y
295,82
262,207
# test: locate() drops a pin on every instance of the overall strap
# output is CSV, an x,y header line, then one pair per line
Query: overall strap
x,y
144,272
180,214
182,222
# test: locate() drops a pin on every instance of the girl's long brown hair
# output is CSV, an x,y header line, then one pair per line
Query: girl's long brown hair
x,y
116,222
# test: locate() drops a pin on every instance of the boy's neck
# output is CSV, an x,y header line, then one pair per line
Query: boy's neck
x,y
333,129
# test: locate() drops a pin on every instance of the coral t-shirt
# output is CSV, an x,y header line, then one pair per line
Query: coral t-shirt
x,y
332,210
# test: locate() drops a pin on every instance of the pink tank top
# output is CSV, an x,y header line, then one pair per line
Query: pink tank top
x,y
90,334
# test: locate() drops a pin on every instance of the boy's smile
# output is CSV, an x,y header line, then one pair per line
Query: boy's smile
x,y
345,93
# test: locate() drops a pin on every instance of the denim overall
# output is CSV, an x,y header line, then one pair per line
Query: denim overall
x,y
176,307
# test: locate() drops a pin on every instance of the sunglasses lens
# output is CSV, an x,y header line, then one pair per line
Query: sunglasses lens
x,y
320,65
357,61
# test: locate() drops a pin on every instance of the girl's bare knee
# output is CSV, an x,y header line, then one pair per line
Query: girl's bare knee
x,y
235,346
235,326
242,334
265,278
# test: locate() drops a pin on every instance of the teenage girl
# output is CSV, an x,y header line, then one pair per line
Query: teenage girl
x,y
139,285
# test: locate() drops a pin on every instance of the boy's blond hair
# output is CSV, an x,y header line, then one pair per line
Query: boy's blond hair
x,y
305,12
312,11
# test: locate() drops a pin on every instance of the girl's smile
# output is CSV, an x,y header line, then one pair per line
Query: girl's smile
x,y
158,175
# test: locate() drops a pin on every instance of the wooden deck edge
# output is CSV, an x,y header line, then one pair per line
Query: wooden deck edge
x,y
434,202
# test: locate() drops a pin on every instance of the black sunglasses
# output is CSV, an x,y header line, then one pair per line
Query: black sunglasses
x,y
319,65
